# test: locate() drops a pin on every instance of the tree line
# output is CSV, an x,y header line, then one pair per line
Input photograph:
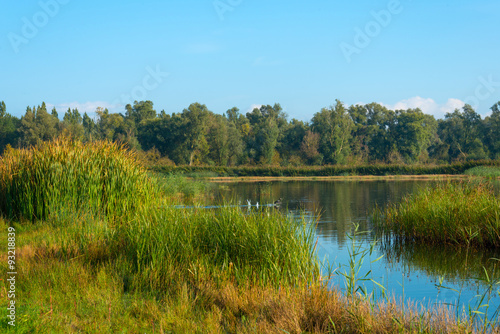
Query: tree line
x,y
338,134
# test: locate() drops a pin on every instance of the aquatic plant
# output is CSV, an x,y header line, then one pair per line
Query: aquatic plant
x,y
329,170
484,171
67,175
465,213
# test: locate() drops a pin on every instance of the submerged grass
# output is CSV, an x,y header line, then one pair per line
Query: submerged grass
x,y
465,213
179,188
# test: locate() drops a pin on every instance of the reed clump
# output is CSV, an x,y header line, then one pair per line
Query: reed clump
x,y
327,170
139,266
465,213
67,175
168,244
484,171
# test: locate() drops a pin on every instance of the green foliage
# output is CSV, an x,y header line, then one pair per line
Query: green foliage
x,y
371,169
484,171
463,132
263,248
337,135
413,133
37,125
140,111
63,175
334,126
266,127
458,213
73,124
8,128
194,130
492,131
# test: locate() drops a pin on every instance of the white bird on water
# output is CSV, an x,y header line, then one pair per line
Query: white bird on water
x,y
257,205
249,203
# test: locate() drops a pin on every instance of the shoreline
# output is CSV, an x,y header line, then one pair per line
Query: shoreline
x,y
362,178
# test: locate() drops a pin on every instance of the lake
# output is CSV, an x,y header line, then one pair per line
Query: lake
x,y
409,272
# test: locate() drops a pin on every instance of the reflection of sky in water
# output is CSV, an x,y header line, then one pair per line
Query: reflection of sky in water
x,y
410,273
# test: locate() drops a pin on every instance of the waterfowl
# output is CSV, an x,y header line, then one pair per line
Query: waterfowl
x,y
278,202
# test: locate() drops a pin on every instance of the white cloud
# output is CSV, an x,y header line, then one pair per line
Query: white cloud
x,y
428,105
253,106
89,107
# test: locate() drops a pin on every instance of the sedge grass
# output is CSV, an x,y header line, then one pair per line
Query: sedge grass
x,y
484,171
128,267
67,175
464,214
66,292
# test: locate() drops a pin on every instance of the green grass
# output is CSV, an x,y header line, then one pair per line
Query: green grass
x,y
335,170
127,263
262,248
51,178
178,187
455,213
484,171
184,286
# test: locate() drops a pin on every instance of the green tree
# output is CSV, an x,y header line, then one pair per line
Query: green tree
x,y
218,140
359,142
462,130
492,131
8,128
238,129
73,124
413,132
266,126
89,128
310,148
334,126
54,113
291,141
140,111
110,125
379,122
195,126
37,125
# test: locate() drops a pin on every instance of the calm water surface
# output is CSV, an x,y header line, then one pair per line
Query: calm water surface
x,y
409,272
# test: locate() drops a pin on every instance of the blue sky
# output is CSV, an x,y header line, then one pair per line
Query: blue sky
x,y
435,55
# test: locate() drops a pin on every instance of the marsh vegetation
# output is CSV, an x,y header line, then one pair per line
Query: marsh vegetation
x,y
100,248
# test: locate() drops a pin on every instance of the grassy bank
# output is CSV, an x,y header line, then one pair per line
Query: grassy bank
x,y
456,213
374,169
63,287
484,171
115,256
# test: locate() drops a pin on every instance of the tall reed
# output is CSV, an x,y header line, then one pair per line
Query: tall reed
x,y
466,214
262,248
484,171
69,175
